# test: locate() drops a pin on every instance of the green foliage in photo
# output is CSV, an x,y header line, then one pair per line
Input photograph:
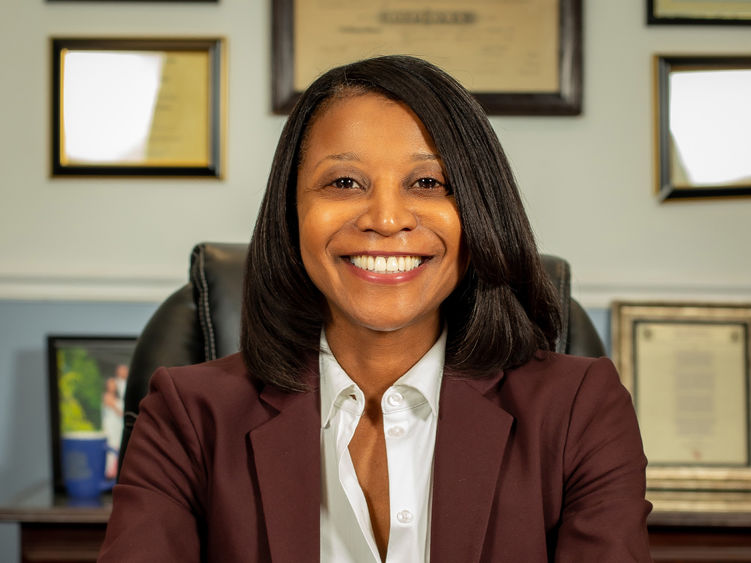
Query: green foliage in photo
x,y
80,390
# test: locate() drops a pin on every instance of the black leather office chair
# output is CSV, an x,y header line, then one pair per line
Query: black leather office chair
x,y
201,320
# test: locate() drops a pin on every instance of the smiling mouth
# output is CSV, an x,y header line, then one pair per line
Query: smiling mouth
x,y
386,264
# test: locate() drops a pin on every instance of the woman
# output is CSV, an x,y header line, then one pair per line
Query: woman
x,y
112,424
396,398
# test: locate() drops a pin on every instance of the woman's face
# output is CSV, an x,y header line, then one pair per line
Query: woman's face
x,y
380,234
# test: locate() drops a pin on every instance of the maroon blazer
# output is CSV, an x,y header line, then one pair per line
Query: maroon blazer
x,y
540,463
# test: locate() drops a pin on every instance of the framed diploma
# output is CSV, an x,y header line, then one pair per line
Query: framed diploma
x,y
702,119
687,369
692,12
137,107
517,58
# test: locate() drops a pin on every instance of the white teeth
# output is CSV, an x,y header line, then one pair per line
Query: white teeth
x,y
386,264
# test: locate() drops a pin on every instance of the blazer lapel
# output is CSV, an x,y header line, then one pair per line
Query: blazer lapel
x,y
287,455
470,441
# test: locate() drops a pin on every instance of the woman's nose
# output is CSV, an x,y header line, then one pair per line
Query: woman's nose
x,y
387,211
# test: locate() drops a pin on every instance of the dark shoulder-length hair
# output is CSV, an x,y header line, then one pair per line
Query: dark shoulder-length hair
x,y
503,310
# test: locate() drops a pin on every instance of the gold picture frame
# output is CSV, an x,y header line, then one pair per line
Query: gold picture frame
x,y
692,12
516,58
686,366
137,106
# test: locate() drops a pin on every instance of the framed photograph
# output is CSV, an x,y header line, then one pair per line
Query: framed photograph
x,y
137,107
517,58
87,380
702,119
692,12
686,366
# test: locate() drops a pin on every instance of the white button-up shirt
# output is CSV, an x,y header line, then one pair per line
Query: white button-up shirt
x,y
410,419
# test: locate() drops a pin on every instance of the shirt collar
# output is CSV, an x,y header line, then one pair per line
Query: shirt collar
x,y
425,377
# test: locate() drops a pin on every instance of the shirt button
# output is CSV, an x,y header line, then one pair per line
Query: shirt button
x,y
395,399
396,431
404,516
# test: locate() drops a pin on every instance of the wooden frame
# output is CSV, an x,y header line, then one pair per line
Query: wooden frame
x,y
693,12
694,131
79,370
686,366
137,106
562,96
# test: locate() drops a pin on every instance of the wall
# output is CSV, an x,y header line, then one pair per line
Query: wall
x,y
96,254
587,180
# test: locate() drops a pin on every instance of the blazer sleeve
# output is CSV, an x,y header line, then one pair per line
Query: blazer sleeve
x,y
156,512
604,508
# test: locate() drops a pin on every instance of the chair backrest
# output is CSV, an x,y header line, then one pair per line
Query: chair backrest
x,y
201,320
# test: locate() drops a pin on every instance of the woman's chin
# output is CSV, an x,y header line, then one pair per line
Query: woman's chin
x,y
389,324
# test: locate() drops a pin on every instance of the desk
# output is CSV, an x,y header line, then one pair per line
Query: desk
x,y
700,537
53,529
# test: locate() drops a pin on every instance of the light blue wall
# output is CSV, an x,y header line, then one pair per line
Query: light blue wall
x,y
25,458
601,320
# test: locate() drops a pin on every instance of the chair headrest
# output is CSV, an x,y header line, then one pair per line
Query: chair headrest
x,y
216,274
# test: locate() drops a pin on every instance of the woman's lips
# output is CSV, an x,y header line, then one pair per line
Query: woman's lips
x,y
382,264
386,268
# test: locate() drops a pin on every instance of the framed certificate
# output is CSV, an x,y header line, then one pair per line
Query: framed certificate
x,y
137,107
522,57
702,119
692,12
687,369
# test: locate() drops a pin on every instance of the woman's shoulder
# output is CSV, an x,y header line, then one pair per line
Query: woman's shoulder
x,y
554,369
551,380
215,385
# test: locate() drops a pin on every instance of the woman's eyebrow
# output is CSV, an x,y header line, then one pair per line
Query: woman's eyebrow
x,y
338,156
351,156
425,156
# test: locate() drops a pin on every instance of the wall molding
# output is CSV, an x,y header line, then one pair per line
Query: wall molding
x,y
157,288
149,289
601,295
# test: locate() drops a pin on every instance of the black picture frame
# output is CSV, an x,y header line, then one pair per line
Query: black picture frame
x,y
566,101
654,19
213,47
667,187
77,367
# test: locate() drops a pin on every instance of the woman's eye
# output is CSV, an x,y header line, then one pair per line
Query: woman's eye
x,y
428,184
345,183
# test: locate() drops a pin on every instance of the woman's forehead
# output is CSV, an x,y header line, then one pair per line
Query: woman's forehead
x,y
366,120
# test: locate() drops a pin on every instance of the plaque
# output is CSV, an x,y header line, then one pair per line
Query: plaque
x,y
686,366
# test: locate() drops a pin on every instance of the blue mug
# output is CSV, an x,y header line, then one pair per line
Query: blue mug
x,y
83,460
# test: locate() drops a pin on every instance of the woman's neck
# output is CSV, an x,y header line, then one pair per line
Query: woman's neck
x,y
374,360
